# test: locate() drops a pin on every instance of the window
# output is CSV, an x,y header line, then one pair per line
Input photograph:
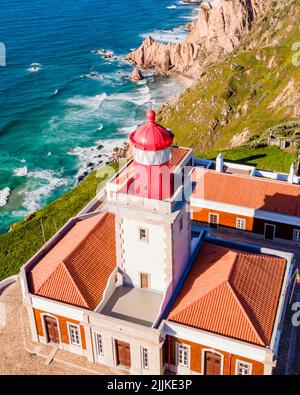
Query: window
x,y
243,368
241,223
180,223
213,219
145,358
270,231
99,344
143,234
183,355
74,333
145,280
296,235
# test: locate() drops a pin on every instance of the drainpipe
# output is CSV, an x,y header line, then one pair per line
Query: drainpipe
x,y
229,355
169,353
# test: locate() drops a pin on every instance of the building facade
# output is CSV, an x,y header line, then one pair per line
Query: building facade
x,y
266,207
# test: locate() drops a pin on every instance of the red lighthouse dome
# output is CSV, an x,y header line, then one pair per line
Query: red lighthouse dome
x,y
152,146
151,136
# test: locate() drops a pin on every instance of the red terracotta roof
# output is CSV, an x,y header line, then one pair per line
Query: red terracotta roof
x,y
77,268
177,156
231,293
251,192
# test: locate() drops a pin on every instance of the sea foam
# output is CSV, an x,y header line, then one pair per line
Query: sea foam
x,y
21,171
40,185
90,158
93,102
173,35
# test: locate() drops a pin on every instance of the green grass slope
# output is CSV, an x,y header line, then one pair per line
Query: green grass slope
x,y
26,237
253,89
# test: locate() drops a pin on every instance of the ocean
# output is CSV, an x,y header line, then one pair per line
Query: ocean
x,y
59,100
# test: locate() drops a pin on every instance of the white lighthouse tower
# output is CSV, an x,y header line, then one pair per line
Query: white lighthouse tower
x,y
153,229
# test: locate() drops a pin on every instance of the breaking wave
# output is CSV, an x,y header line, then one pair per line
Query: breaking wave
x,y
21,171
89,102
40,185
4,195
164,36
90,158
139,98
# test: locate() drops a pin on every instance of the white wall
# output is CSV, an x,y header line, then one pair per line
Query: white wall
x,y
146,257
64,310
276,176
218,342
181,244
109,357
137,336
7,281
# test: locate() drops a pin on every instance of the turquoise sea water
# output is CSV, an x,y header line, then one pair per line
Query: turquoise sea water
x,y
53,114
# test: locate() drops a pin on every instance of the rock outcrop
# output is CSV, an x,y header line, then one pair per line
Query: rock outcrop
x,y
136,75
218,30
120,153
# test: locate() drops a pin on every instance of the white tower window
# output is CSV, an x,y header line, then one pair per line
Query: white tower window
x,y
143,234
181,223
145,358
99,344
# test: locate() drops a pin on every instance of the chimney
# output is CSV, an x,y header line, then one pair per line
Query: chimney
x,y
291,174
220,163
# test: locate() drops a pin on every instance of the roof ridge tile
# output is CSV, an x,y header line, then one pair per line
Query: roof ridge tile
x,y
197,300
75,285
43,269
260,340
91,231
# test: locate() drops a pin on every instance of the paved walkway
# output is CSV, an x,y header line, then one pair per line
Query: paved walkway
x,y
19,355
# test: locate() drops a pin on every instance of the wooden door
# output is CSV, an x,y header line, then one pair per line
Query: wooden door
x,y
144,280
269,231
52,329
123,354
212,363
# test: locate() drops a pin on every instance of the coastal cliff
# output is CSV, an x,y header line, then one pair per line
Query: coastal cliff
x,y
236,102
219,28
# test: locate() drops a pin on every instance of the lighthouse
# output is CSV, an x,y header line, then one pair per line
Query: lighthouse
x,y
151,145
152,219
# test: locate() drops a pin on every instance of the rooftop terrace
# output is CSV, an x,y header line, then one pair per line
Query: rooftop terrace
x,y
135,305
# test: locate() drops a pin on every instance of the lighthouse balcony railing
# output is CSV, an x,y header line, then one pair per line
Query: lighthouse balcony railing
x,y
128,200
164,206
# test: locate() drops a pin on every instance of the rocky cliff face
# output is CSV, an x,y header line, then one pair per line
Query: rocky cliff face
x,y
218,29
254,88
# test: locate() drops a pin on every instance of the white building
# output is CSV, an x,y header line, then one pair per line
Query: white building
x,y
132,287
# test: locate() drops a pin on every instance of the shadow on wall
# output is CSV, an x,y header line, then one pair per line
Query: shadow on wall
x,y
282,203
245,161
